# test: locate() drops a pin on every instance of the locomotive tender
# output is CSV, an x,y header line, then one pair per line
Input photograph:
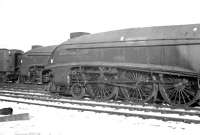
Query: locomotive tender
x,y
138,65
10,64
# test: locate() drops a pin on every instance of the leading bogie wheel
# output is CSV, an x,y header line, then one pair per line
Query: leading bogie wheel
x,y
77,91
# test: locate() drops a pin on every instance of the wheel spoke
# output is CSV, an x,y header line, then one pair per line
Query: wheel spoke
x,y
189,92
180,92
183,97
187,95
100,88
179,97
141,91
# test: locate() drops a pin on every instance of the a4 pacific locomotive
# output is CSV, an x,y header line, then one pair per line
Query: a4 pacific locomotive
x,y
33,63
138,65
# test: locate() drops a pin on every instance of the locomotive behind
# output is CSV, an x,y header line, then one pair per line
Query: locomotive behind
x,y
138,65
10,61
33,64
28,67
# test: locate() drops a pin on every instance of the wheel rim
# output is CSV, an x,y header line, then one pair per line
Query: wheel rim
x,y
77,91
138,89
179,92
103,92
101,88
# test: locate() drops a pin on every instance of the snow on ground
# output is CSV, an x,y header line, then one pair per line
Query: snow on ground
x,y
52,121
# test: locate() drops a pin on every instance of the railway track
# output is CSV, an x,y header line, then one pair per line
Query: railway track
x,y
142,111
49,98
40,90
21,87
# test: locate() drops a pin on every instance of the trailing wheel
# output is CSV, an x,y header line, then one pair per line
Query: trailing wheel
x,y
136,86
77,91
179,91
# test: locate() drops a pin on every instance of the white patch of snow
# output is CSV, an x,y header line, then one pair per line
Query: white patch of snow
x,y
51,121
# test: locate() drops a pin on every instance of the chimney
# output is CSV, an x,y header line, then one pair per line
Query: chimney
x,y
77,34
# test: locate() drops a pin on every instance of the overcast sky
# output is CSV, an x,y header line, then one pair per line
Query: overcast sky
x,y
24,23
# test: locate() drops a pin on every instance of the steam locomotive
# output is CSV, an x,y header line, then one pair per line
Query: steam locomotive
x,y
19,67
10,64
138,65
33,64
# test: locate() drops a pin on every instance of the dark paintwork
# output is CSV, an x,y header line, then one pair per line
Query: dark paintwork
x,y
37,56
164,48
147,33
8,59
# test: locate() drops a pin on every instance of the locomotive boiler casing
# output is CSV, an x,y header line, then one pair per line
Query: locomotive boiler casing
x,y
191,55
172,49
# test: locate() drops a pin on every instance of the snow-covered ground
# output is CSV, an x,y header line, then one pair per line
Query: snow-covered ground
x,y
52,121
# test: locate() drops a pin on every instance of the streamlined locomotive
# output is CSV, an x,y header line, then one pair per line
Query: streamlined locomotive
x,y
33,63
139,65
